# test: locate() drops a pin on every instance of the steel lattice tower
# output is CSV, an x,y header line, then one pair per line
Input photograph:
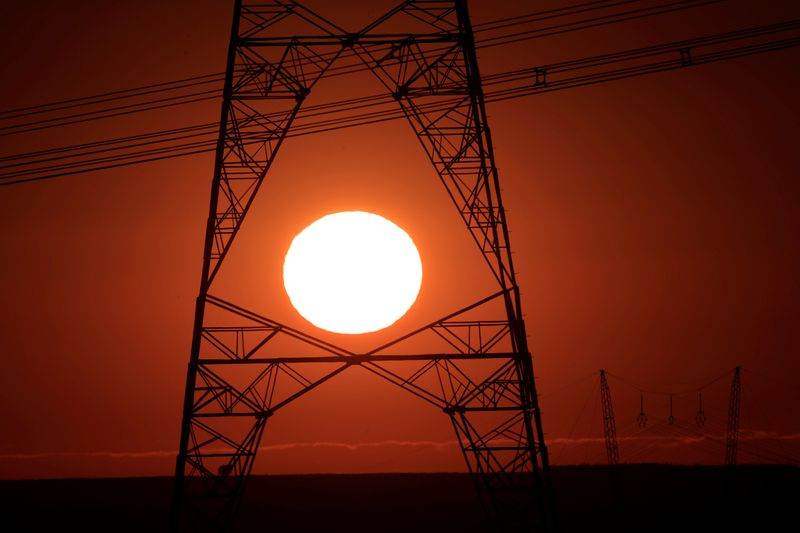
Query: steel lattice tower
x,y
734,405
480,373
609,422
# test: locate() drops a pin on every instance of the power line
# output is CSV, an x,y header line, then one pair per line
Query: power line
x,y
640,388
374,109
595,22
113,95
547,14
118,111
108,142
349,68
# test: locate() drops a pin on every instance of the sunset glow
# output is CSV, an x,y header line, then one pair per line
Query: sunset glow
x,y
352,272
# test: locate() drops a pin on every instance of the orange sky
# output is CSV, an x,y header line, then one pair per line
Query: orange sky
x,y
653,220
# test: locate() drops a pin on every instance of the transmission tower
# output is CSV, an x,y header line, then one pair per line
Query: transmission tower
x,y
671,417
700,416
609,423
480,373
732,435
641,418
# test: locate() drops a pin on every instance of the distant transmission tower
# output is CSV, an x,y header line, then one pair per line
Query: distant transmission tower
x,y
732,435
700,416
641,418
479,371
609,423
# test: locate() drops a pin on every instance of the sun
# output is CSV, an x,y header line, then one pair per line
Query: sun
x,y
352,272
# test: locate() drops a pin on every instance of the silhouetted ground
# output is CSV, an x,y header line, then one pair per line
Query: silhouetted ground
x,y
589,498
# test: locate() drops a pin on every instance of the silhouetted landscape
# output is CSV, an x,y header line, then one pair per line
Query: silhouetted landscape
x,y
603,191
629,498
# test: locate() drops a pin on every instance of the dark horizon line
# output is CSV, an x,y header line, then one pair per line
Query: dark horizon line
x,y
563,466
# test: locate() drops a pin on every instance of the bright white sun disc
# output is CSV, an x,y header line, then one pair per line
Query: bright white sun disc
x,y
352,272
